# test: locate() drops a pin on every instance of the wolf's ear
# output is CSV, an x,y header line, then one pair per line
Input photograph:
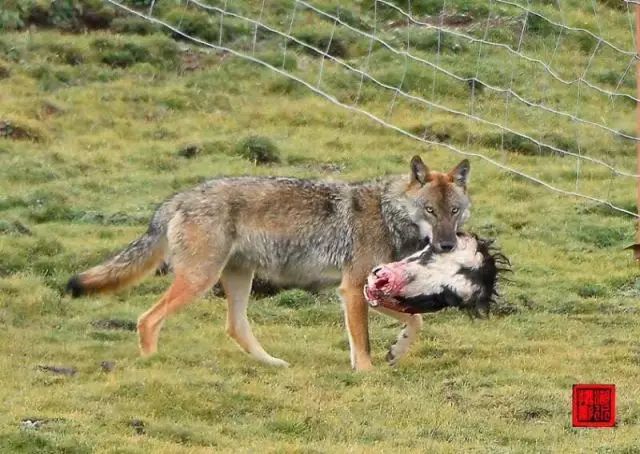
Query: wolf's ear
x,y
460,173
419,171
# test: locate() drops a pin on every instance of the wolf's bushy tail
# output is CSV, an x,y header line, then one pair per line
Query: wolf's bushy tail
x,y
124,269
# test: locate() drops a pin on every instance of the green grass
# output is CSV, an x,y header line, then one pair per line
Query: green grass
x,y
109,123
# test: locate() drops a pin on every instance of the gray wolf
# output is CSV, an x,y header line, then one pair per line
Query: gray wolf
x,y
291,232
428,281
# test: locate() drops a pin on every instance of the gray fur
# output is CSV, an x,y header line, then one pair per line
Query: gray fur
x,y
323,244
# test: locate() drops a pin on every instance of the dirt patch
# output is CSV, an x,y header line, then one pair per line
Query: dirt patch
x,y
138,426
115,324
107,366
14,131
59,370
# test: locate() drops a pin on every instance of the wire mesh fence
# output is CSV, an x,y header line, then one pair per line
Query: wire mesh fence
x,y
491,79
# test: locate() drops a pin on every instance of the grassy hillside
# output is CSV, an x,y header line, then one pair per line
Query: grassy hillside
x,y
103,116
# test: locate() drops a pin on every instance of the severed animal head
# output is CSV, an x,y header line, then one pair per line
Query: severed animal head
x,y
428,281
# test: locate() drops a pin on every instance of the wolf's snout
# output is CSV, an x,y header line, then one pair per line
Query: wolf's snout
x,y
376,270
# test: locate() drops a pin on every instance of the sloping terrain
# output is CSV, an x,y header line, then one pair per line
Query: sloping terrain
x,y
103,115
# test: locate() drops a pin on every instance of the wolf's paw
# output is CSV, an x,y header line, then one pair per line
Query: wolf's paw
x,y
147,348
274,362
277,362
363,365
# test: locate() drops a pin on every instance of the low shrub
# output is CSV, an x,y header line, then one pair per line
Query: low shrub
x,y
258,149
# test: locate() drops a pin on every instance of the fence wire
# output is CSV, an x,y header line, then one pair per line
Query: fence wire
x,y
584,85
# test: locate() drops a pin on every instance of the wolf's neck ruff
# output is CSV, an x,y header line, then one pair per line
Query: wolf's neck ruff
x,y
404,233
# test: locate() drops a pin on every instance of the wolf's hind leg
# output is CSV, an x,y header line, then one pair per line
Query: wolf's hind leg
x,y
199,254
237,286
408,335
183,291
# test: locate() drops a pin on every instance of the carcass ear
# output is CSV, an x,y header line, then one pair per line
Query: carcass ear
x,y
460,173
419,171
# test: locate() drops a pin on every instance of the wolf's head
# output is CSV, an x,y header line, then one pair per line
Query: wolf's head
x,y
428,281
438,202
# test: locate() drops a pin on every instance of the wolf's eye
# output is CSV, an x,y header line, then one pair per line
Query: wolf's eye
x,y
430,210
455,210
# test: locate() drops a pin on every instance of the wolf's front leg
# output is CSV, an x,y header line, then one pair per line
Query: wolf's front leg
x,y
237,286
356,314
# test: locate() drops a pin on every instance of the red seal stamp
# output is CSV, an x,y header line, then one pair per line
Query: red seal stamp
x,y
594,406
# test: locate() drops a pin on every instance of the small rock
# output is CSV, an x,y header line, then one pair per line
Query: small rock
x,y
114,323
259,288
31,423
107,366
69,371
138,426
189,151
35,423
217,290
475,85
163,269
14,228
21,228
5,72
